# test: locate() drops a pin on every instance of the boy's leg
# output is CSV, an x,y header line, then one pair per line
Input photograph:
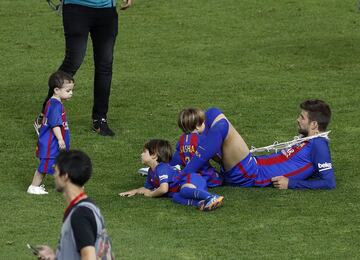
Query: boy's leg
x,y
194,193
177,198
222,136
36,188
209,146
194,187
46,166
38,178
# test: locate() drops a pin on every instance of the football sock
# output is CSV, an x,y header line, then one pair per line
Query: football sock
x,y
190,193
210,145
177,198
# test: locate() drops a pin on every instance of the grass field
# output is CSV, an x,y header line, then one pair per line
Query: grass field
x,y
256,60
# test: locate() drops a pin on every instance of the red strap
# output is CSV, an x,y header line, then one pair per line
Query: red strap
x,y
79,197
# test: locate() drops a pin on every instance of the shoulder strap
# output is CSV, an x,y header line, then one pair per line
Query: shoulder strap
x,y
96,211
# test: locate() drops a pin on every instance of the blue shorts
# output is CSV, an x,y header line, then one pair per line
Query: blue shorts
x,y
243,174
195,179
47,165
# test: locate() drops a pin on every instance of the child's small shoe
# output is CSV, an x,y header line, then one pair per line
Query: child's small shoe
x,y
37,190
201,205
144,171
211,203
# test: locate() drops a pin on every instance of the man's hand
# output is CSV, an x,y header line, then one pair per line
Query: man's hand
x,y
280,182
126,4
46,253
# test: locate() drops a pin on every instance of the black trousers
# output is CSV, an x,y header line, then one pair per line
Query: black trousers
x,y
102,25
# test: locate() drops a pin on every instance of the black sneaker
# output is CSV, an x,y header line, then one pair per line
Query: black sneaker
x,y
37,123
101,127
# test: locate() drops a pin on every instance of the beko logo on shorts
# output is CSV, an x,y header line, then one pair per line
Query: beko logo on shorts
x,y
324,166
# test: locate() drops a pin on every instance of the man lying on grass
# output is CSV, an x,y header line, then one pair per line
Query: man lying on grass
x,y
303,164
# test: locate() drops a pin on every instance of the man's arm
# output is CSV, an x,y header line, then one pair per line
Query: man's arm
x,y
326,182
283,183
88,253
323,177
83,224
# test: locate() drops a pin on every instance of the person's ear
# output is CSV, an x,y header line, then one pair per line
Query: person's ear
x,y
314,125
154,157
56,90
66,177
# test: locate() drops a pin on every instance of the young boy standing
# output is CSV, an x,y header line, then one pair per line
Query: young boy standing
x,y
54,133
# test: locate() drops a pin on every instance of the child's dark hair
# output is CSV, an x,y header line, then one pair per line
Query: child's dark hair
x,y
76,164
161,148
57,80
318,111
190,118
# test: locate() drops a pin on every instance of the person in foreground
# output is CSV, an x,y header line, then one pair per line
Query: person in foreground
x,y
83,235
305,165
54,132
164,180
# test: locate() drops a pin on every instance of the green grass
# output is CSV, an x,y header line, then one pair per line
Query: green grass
x,y
256,60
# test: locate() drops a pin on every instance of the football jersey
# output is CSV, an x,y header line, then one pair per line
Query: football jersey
x,y
308,165
163,173
185,150
54,115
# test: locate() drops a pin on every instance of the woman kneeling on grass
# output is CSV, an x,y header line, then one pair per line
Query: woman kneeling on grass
x,y
163,179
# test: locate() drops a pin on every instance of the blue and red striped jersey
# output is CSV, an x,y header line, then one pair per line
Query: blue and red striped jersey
x,y
185,150
54,115
163,173
308,165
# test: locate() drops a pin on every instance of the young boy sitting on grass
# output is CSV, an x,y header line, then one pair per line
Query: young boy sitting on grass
x,y
165,180
192,123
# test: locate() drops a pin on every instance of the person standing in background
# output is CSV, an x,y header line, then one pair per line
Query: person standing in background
x,y
99,18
